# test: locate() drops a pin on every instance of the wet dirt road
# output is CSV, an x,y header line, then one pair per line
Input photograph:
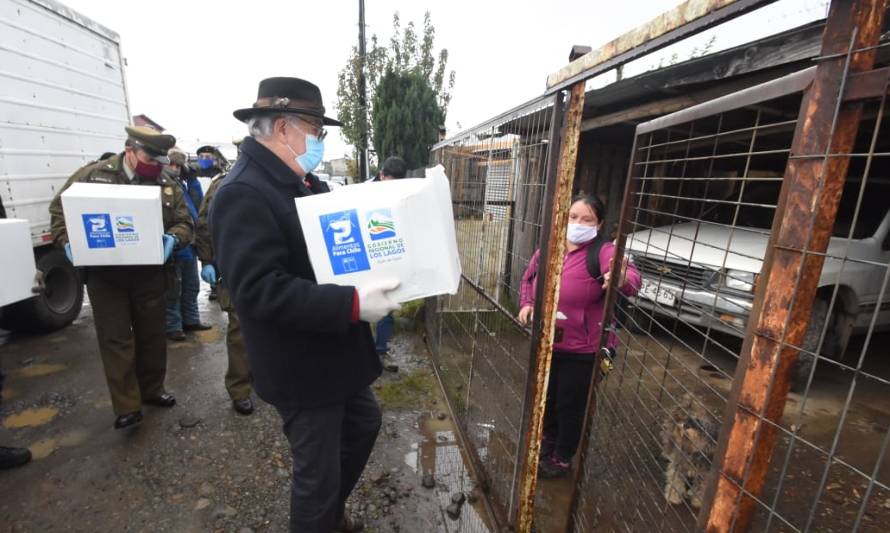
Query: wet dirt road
x,y
199,466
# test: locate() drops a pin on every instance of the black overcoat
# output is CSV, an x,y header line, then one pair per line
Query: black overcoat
x,y
304,348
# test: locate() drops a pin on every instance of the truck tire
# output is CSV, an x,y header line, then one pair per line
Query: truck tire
x,y
58,305
805,362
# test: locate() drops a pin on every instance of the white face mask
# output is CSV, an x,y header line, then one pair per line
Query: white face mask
x,y
579,233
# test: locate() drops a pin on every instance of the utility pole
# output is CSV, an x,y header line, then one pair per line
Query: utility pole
x,y
362,95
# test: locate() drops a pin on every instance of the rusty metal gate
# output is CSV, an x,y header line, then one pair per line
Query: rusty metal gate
x,y
749,390
749,362
481,352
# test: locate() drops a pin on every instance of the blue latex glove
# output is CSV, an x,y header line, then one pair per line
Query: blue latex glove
x,y
208,274
169,244
68,252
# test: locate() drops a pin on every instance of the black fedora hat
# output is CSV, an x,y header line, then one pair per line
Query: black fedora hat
x,y
287,95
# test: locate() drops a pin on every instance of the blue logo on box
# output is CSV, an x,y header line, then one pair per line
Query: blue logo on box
x,y
343,239
98,230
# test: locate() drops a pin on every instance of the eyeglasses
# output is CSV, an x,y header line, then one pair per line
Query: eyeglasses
x,y
317,131
205,156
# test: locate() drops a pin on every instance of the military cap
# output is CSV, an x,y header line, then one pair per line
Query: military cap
x,y
208,149
177,156
153,143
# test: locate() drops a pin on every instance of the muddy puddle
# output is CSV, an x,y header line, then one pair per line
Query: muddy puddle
x,y
439,454
40,369
45,447
37,416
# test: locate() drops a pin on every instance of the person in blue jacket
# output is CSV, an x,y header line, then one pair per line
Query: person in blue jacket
x,y
182,295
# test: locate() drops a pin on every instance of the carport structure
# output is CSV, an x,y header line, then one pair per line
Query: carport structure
x,y
730,209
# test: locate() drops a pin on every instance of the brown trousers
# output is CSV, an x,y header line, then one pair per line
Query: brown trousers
x,y
238,378
129,309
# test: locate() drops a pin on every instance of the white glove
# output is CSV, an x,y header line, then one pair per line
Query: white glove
x,y
373,301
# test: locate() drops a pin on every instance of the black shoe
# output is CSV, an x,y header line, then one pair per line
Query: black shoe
x,y
243,406
127,420
13,457
389,367
554,468
164,400
177,335
196,327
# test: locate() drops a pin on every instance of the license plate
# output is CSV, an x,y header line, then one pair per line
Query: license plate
x,y
653,292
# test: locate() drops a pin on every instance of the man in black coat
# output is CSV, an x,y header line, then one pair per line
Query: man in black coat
x,y
310,347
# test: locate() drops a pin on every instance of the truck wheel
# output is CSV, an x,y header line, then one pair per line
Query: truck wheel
x,y
805,362
58,305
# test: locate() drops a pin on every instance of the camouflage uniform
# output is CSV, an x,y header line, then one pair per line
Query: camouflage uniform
x,y
238,374
129,301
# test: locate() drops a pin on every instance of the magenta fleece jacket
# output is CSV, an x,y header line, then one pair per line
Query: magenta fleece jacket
x,y
581,298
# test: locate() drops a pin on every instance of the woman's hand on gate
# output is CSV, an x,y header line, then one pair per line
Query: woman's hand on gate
x,y
525,315
607,275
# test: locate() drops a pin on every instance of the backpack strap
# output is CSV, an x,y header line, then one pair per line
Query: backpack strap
x,y
593,259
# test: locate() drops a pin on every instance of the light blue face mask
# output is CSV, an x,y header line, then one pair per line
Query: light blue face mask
x,y
312,156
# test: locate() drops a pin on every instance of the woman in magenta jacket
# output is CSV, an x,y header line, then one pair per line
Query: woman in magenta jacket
x,y
578,328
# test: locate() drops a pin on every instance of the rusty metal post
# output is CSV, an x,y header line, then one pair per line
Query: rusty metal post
x,y
805,215
550,169
546,301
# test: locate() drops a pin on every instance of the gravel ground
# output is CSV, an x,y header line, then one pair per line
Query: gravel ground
x,y
199,466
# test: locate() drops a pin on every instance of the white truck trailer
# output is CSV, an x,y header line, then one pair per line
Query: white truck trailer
x,y
63,102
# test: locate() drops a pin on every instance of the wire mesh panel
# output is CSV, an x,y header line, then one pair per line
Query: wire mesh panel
x,y
497,173
830,470
703,195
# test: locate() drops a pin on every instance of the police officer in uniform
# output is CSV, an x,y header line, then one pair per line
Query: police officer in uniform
x,y
238,380
210,164
129,301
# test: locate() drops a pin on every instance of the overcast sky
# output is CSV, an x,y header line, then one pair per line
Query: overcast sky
x,y
191,63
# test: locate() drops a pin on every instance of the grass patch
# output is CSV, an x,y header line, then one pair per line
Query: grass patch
x,y
410,309
408,391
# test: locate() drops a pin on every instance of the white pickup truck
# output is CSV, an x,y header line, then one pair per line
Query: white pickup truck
x,y
63,102
704,272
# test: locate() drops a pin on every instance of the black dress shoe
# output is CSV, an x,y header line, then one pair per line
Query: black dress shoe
x,y
13,457
243,406
196,327
164,400
127,420
177,335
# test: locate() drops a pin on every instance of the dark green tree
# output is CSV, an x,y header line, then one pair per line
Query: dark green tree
x,y
406,117
407,52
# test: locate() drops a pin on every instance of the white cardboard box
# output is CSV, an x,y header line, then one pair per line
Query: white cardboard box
x,y
17,268
114,224
398,228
